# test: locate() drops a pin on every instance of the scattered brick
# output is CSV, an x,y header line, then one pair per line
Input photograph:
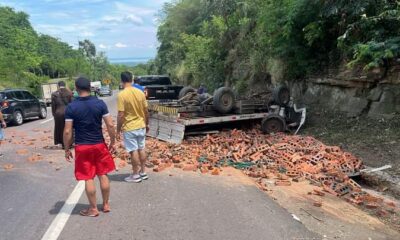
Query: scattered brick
x,y
215,171
278,156
371,205
8,167
317,204
282,183
159,168
190,167
382,213
22,151
318,192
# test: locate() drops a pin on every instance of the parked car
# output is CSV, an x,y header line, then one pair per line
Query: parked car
x,y
105,91
158,87
18,105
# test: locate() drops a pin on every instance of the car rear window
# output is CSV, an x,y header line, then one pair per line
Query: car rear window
x,y
146,81
18,95
28,95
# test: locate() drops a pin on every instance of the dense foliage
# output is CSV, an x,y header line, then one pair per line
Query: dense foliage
x,y
243,42
28,59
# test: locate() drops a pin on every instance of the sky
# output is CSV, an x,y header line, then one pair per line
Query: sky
x,y
122,28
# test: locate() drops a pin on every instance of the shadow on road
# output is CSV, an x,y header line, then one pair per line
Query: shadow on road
x,y
118,177
78,207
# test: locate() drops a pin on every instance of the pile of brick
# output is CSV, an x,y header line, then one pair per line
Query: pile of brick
x,y
282,158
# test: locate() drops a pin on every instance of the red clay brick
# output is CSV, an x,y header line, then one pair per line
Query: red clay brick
x,y
282,183
190,167
318,192
216,171
317,204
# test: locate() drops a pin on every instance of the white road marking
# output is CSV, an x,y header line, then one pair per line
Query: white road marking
x,y
48,120
58,224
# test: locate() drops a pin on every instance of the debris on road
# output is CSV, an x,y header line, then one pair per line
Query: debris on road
x,y
22,151
280,158
35,157
8,167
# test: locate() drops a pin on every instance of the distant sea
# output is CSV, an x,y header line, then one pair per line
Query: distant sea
x,y
131,62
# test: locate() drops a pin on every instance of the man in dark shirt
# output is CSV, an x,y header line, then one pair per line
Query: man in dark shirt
x,y
59,101
92,157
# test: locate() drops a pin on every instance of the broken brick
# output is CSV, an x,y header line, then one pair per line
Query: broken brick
x,y
190,167
215,171
382,213
318,192
371,205
282,183
159,168
8,167
22,151
317,204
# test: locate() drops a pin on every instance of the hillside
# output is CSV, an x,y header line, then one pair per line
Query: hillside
x,y
243,43
28,58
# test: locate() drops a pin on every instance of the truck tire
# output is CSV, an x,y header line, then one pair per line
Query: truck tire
x,y
18,118
281,96
224,100
273,124
184,91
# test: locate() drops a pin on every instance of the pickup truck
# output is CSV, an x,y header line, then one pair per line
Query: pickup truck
x,y
157,87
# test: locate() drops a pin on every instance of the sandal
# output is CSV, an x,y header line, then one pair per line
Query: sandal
x,y
89,213
106,208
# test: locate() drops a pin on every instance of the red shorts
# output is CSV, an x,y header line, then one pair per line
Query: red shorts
x,y
92,160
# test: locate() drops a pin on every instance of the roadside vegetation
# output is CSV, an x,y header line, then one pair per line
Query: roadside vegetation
x,y
28,58
240,43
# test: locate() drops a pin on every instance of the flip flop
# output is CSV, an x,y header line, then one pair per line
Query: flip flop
x,y
86,213
106,209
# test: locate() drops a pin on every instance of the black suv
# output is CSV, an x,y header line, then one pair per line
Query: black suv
x,y
17,105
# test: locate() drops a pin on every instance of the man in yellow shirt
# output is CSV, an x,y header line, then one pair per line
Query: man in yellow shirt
x,y
133,119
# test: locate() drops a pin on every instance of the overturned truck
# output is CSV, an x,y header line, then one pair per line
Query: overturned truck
x,y
197,113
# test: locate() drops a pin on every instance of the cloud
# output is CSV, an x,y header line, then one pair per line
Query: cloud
x,y
103,46
74,1
60,15
134,19
120,45
87,34
129,18
139,11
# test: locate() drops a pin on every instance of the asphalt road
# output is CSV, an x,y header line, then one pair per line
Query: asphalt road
x,y
170,205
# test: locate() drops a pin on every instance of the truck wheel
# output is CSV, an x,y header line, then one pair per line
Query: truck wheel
x,y
224,100
281,96
273,124
18,118
43,113
184,91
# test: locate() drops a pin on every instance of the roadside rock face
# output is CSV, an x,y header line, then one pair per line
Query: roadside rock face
x,y
355,106
381,101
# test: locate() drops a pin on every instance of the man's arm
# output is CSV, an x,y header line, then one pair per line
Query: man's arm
x,y
68,139
121,115
53,104
120,121
111,131
147,117
2,122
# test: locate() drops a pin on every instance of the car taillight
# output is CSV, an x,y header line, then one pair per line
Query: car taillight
x,y
5,104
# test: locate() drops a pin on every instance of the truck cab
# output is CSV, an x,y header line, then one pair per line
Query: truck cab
x,y
158,87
